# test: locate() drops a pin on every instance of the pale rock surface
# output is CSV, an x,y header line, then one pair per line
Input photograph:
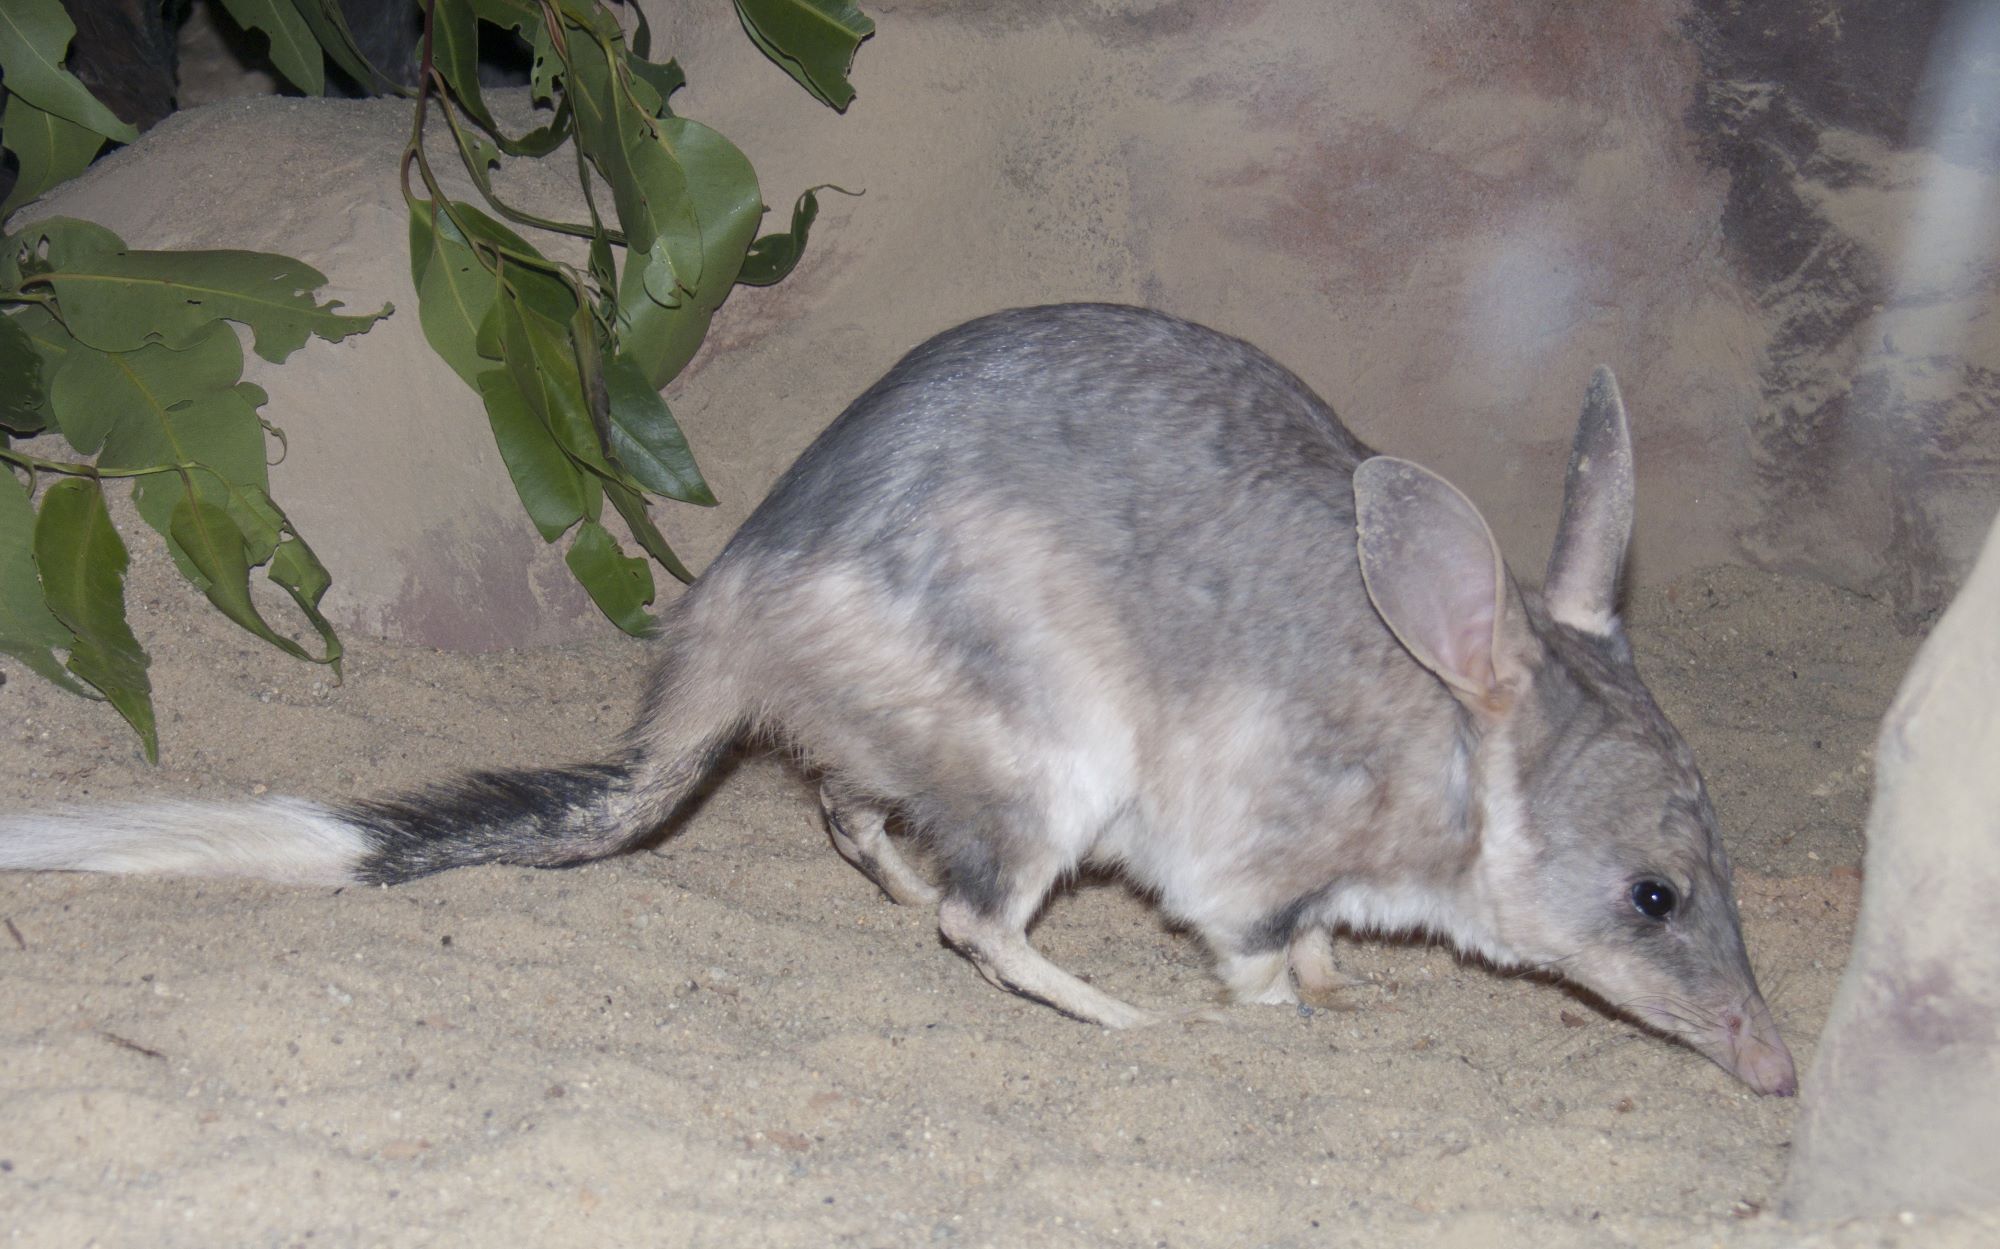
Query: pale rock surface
x,y
1903,1099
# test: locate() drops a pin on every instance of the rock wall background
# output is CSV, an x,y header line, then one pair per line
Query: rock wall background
x,y
1775,221
1861,144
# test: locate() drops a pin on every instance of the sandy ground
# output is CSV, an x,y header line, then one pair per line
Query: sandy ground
x,y
734,1040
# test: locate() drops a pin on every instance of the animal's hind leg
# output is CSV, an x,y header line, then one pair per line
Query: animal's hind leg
x,y
999,947
997,943
859,832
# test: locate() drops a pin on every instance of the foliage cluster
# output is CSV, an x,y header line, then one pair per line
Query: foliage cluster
x,y
121,363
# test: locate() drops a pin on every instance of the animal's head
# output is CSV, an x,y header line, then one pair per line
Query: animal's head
x,y
1600,858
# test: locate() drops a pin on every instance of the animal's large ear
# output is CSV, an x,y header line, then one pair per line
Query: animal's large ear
x,y
1581,588
1435,575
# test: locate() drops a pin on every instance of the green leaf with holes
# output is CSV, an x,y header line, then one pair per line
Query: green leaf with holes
x,y
125,299
631,506
189,413
621,585
23,403
41,247
457,288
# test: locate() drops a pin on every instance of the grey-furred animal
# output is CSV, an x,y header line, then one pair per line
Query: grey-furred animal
x,y
1088,585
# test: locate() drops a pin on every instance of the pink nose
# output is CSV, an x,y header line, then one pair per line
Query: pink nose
x,y
1769,1071
1755,1053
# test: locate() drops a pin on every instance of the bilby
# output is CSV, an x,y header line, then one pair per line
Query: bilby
x,y
1090,585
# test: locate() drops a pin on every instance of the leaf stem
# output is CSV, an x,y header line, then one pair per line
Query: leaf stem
x,y
485,185
77,468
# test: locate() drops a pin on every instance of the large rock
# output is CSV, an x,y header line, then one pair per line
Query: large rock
x,y
1903,1098
1441,215
1862,151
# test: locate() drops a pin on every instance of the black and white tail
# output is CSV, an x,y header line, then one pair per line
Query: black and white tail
x,y
541,817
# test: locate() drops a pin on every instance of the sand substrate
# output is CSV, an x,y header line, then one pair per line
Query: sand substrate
x,y
733,1039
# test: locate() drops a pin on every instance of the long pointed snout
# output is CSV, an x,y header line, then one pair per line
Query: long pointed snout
x,y
1745,1043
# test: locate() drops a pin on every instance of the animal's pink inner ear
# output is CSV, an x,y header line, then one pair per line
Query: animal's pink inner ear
x,y
1469,642
1431,569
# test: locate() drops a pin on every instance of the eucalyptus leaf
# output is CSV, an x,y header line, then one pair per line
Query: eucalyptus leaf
x,y
773,257
297,571
664,78
812,40
650,187
647,440
541,358
214,545
543,139
632,506
34,38
52,343
523,17
53,242
590,17
22,399
549,483
455,292
661,338
455,52
642,33
122,300
82,565
329,29
545,65
621,585
481,154
50,149
209,537
155,408
293,49
29,631
531,275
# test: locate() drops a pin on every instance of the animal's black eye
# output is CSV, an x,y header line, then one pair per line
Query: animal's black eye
x,y
1655,899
